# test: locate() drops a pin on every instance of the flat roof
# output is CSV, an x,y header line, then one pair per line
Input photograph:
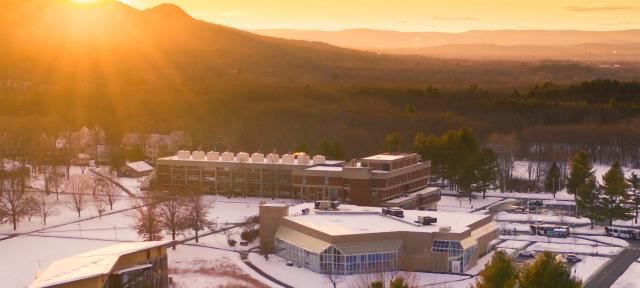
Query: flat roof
x,y
351,219
325,168
411,196
89,264
388,156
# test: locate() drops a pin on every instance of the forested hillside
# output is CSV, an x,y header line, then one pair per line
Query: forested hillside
x,y
65,66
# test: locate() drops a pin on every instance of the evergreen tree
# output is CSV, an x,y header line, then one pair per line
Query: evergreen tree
x,y
331,148
581,170
486,170
552,180
547,272
410,109
499,273
588,200
614,183
393,142
303,147
634,187
613,201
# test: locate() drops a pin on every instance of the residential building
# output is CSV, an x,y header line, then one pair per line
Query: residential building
x,y
135,264
368,181
348,239
136,169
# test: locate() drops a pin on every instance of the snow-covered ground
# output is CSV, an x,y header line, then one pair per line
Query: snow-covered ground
x,y
588,267
455,204
513,244
630,278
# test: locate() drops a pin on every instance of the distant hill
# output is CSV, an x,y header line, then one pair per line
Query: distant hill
x,y
501,44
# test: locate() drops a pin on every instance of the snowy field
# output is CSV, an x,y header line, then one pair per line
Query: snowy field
x,y
455,204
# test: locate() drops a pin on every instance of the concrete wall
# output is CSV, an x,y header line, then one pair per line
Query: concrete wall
x,y
270,219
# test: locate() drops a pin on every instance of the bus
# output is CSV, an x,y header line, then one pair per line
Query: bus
x,y
620,232
550,230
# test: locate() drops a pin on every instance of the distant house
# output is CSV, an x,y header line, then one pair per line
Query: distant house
x,y
156,145
136,264
137,169
81,159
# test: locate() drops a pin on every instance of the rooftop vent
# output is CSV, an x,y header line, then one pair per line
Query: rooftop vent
x,y
242,156
227,156
257,157
183,154
426,220
213,156
287,159
319,159
394,211
303,159
445,229
197,155
326,205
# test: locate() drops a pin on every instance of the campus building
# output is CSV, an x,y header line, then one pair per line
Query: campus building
x,y
136,264
367,181
348,239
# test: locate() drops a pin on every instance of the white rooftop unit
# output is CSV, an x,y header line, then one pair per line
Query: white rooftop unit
x,y
288,159
319,159
273,158
257,157
197,155
303,159
182,154
213,156
242,156
227,156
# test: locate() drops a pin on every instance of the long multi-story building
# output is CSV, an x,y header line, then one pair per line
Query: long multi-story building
x,y
368,181
348,239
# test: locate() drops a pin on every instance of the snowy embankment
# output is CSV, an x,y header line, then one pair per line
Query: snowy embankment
x,y
630,278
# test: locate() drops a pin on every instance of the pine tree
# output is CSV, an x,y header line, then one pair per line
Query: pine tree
x,y
634,185
393,142
588,200
613,201
486,170
552,180
547,272
581,170
499,273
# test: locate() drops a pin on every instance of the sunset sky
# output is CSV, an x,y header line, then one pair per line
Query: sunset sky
x,y
413,15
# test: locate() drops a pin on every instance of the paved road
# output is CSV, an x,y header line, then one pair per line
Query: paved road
x,y
616,267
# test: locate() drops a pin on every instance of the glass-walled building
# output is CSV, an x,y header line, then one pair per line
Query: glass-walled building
x,y
355,239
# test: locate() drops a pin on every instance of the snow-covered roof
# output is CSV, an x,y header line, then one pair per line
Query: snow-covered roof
x,y
387,156
140,166
325,168
351,219
89,264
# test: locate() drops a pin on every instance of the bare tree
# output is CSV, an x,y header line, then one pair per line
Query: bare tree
x,y
99,204
198,210
172,215
78,187
109,191
32,207
55,181
46,209
147,221
13,200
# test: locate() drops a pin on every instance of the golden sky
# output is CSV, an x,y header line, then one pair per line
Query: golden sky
x,y
413,15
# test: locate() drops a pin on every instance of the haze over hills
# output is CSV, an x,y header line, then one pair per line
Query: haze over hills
x,y
67,65
500,44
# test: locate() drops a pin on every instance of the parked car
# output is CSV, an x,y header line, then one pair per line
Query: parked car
x,y
527,253
289,263
572,258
